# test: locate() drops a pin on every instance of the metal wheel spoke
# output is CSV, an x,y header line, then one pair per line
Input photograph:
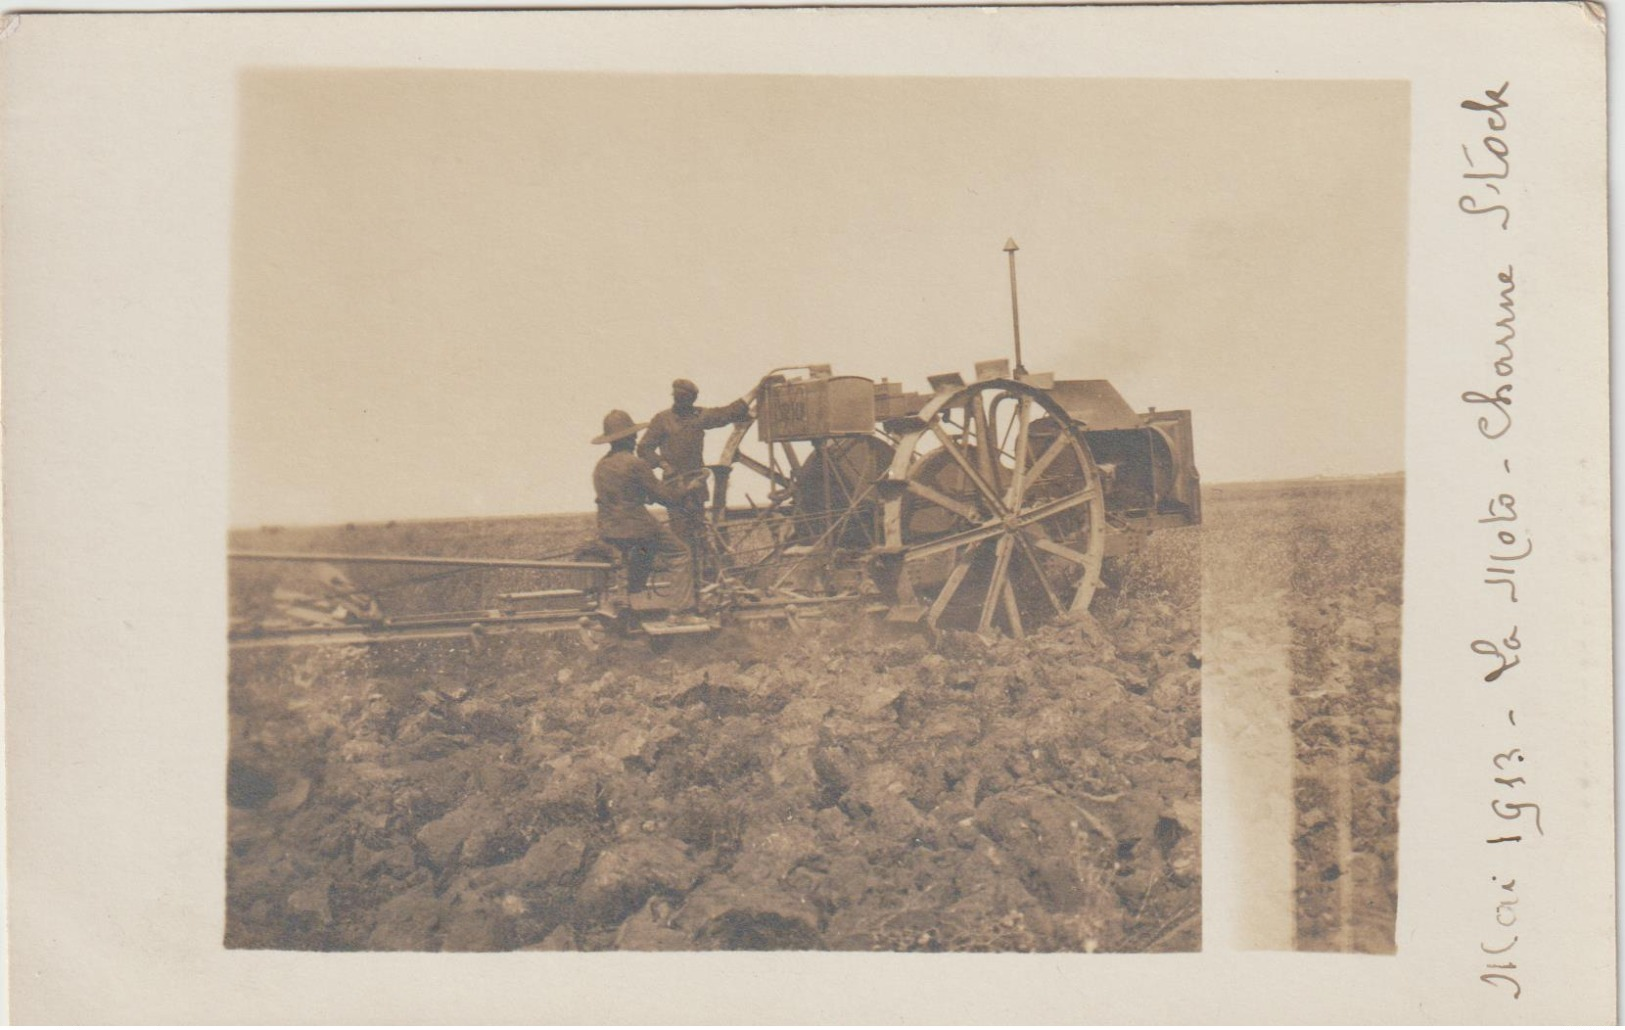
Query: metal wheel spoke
x,y
1004,437
1012,611
1048,509
771,475
985,444
995,583
956,577
1044,461
1039,573
790,456
833,456
1018,476
986,531
964,463
1063,551
942,500
853,494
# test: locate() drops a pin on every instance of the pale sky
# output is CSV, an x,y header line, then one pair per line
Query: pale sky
x,y
443,280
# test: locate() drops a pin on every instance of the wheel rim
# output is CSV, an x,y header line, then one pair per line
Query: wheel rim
x,y
997,510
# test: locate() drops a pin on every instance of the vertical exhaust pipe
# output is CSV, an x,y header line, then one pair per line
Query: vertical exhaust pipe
x,y
1010,249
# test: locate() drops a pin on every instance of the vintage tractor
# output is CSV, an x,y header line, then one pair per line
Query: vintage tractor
x,y
986,505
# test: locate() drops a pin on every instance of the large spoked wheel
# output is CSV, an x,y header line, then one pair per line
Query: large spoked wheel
x,y
997,510
837,504
800,496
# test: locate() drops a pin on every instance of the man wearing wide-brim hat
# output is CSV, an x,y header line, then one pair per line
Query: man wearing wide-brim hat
x,y
626,485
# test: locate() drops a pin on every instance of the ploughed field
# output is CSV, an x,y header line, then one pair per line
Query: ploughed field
x,y
843,785
1302,596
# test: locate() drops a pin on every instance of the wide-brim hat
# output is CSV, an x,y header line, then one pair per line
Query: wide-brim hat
x,y
618,425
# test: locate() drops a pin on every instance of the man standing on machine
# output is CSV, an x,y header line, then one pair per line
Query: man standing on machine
x,y
675,442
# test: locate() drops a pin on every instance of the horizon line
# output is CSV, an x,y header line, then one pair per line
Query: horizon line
x,y
422,519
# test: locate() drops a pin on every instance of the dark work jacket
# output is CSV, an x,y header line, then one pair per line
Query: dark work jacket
x,y
625,485
677,442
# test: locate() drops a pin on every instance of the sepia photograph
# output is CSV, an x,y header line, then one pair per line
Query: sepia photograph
x,y
1042,514
675,512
